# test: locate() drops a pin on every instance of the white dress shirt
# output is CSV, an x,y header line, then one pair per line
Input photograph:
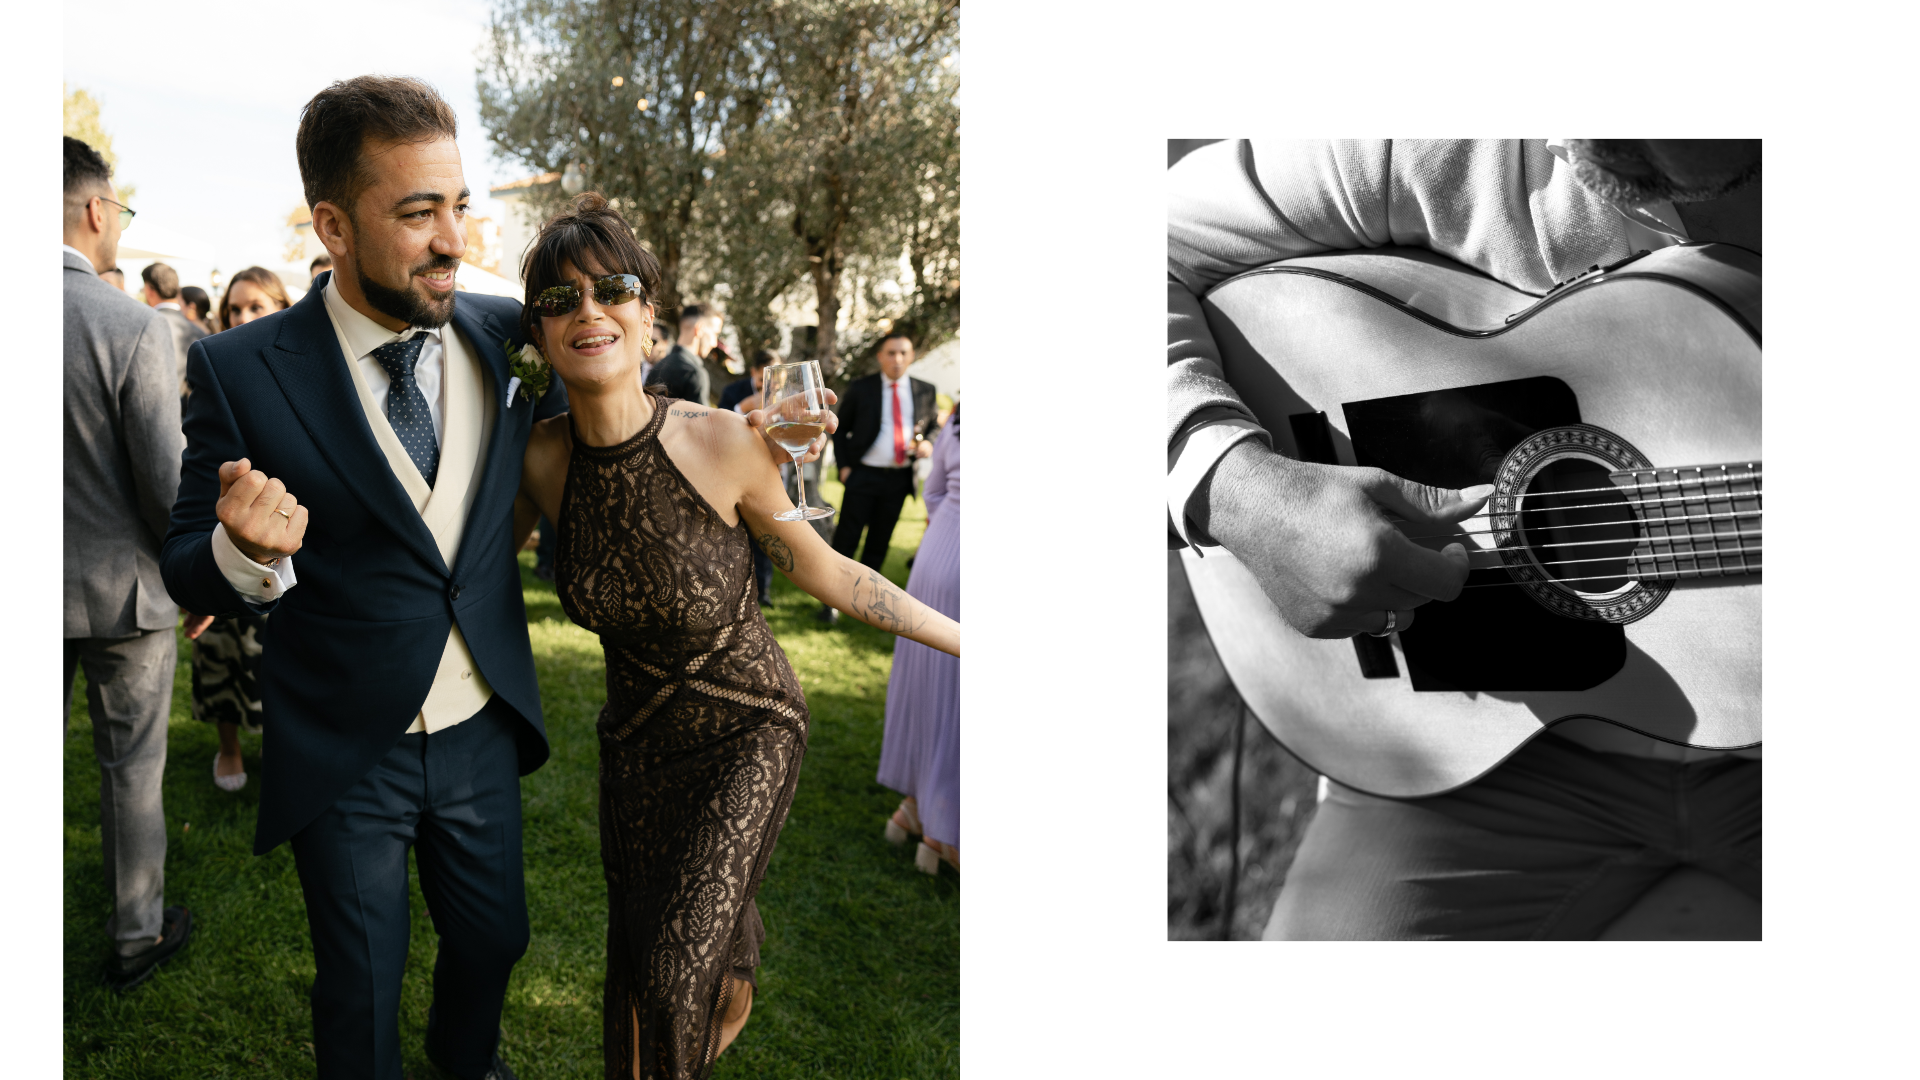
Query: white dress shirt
x,y
264,584
880,454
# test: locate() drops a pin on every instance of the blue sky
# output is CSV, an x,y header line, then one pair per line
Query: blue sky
x,y
202,109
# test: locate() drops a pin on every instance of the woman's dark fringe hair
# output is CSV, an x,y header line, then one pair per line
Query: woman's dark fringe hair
x,y
336,124
592,236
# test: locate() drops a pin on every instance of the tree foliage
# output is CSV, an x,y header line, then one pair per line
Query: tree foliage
x,y
80,118
789,152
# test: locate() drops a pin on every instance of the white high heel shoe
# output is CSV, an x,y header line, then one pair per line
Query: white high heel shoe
x,y
228,783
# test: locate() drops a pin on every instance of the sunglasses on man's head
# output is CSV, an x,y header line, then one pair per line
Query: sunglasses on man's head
x,y
607,292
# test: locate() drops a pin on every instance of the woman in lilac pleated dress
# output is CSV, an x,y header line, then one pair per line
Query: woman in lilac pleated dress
x,y
920,754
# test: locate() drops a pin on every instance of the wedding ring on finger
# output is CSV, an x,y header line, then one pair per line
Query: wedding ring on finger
x,y
1392,619
284,512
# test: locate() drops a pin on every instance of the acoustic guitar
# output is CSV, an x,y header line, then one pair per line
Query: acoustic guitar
x,y
1615,571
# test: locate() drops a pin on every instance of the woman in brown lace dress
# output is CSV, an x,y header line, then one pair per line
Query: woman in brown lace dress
x,y
657,502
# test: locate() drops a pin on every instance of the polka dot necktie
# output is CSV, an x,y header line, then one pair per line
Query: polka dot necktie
x,y
406,406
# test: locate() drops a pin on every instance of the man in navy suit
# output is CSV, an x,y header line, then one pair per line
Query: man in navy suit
x,y
371,428
892,415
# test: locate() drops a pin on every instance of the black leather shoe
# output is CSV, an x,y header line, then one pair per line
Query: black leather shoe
x,y
126,972
496,1069
544,573
827,615
766,599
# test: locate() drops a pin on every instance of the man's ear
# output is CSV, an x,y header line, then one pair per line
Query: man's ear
x,y
334,228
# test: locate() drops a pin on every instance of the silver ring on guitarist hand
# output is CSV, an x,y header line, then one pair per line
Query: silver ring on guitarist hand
x,y
1392,619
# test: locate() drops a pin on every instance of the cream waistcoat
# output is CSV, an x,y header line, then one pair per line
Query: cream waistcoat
x,y
459,689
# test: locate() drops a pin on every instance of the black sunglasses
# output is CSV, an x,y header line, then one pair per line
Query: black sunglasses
x,y
608,291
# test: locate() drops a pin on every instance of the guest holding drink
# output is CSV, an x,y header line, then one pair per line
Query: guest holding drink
x,y
226,652
657,503
920,752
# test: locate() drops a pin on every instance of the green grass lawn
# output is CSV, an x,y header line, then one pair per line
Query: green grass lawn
x,y
861,969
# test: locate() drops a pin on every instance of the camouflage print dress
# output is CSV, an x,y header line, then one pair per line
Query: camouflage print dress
x,y
226,671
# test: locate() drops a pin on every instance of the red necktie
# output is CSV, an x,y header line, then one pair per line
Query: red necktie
x,y
899,430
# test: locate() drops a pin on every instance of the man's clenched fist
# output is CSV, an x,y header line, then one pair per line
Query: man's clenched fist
x,y
263,520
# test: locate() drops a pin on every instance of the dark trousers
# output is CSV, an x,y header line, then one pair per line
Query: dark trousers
x,y
454,797
1554,844
543,551
872,502
129,696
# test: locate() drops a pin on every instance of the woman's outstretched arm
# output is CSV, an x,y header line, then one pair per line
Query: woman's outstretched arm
x,y
831,577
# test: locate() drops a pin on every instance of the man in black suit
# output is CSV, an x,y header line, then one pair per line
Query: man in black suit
x,y
681,370
888,419
369,428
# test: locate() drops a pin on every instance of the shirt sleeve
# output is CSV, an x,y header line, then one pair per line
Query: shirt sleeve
x,y
256,583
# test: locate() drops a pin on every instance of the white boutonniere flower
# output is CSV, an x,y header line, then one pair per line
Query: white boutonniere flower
x,y
531,372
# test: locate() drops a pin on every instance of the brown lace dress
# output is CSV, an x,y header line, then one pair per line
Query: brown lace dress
x,y
700,744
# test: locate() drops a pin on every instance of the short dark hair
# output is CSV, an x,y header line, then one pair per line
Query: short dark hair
x,y
320,260
763,357
116,272
592,236
336,125
695,311
86,173
896,332
195,297
164,280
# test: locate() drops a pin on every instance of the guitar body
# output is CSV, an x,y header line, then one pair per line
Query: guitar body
x,y
1401,359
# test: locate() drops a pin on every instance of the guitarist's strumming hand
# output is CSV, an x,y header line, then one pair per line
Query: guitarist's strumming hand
x,y
263,520
1318,539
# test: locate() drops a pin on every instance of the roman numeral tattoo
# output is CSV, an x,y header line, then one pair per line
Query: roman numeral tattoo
x,y
688,413
881,603
778,551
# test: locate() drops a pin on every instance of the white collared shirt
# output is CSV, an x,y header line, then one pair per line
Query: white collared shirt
x,y
880,454
264,584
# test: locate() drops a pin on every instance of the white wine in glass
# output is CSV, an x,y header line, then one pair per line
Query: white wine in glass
x,y
796,404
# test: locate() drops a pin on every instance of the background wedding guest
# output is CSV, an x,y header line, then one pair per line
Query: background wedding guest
x,y
161,287
920,750
681,371
743,396
253,292
885,419
321,264
121,456
115,277
196,303
226,653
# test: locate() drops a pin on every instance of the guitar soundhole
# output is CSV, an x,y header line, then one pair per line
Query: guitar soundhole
x,y
1578,526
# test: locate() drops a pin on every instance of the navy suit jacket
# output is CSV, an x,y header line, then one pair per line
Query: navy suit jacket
x,y
352,649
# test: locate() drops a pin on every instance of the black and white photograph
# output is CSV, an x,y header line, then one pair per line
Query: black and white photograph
x,y
1464,491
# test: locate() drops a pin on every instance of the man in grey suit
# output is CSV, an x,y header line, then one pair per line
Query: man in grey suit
x,y
162,287
122,454
681,370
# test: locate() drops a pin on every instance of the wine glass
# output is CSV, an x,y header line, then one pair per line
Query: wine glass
x,y
795,399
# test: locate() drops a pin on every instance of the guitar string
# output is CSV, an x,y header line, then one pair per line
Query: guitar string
x,y
1615,504
1652,556
1647,522
1754,475
1672,575
1636,554
1740,534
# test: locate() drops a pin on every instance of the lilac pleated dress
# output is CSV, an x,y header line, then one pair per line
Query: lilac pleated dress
x,y
920,752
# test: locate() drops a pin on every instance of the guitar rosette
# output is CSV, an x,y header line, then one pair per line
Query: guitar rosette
x,y
1522,467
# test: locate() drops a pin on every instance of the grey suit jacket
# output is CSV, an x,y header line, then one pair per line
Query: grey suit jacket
x,y
185,333
122,454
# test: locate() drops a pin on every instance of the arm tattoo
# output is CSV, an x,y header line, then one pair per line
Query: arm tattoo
x,y
881,603
688,413
778,551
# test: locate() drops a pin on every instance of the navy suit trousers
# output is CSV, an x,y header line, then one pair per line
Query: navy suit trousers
x,y
454,797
